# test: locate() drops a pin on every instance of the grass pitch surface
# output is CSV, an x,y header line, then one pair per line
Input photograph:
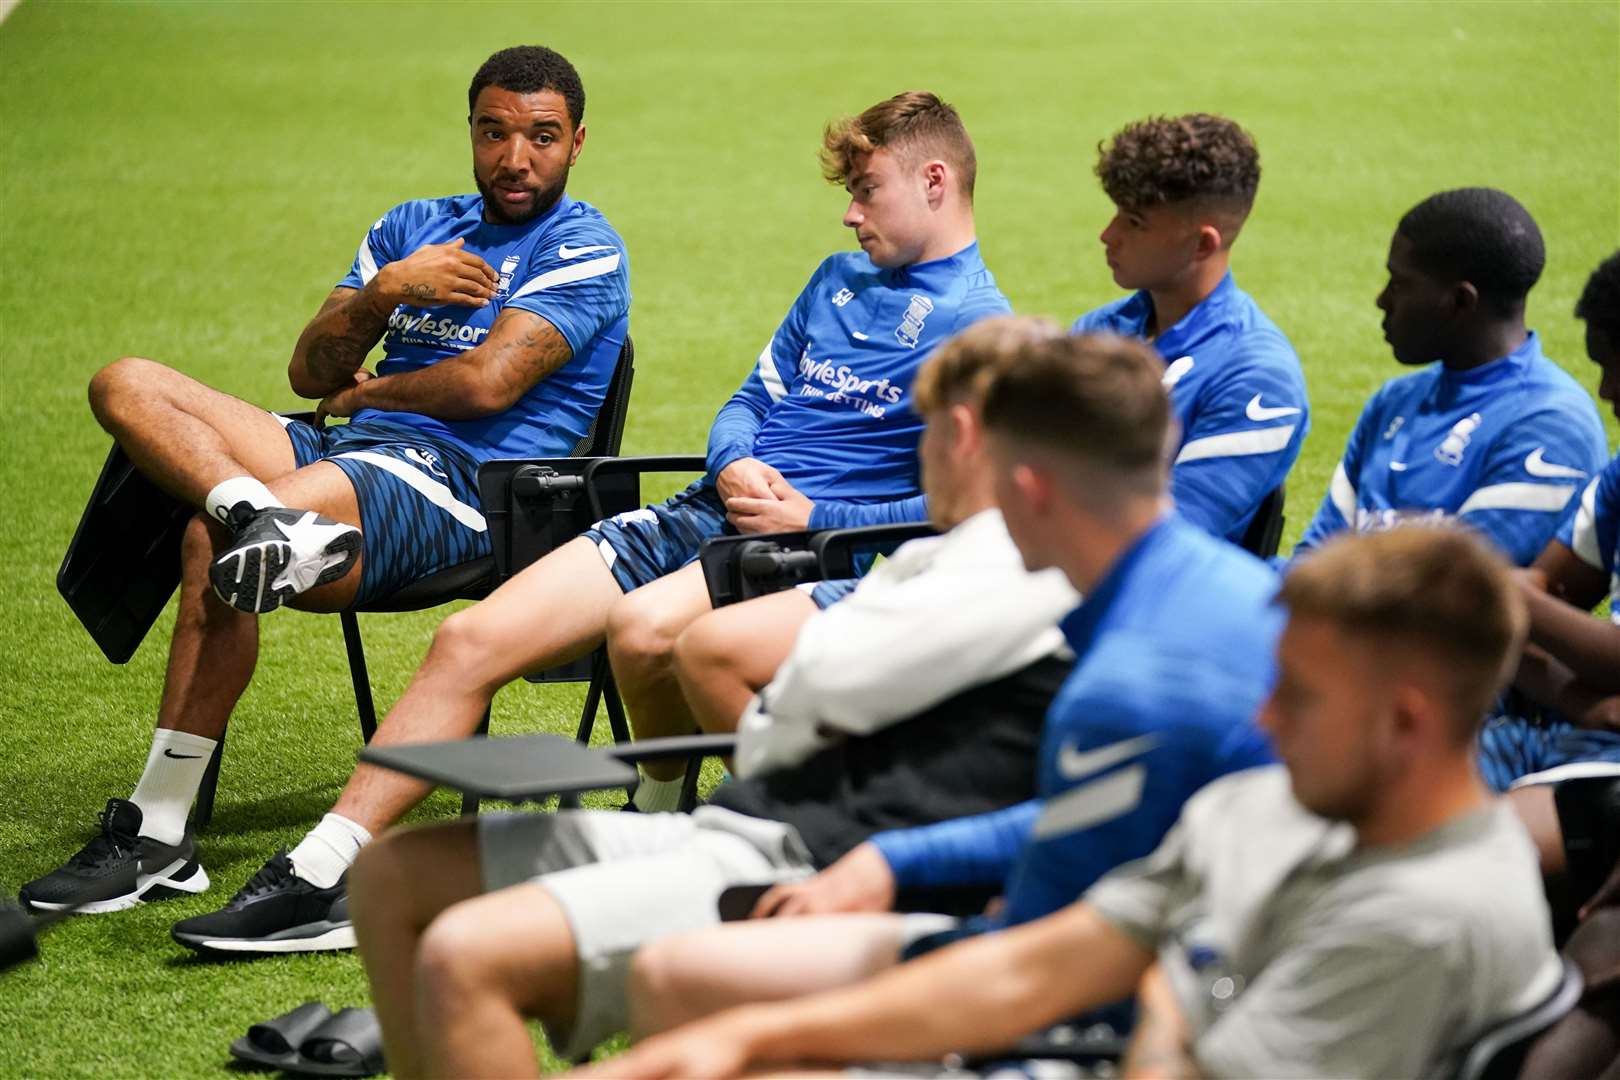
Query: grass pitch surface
x,y
186,181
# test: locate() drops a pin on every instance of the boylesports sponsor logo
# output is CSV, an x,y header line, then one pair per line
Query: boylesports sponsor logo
x,y
840,383
427,330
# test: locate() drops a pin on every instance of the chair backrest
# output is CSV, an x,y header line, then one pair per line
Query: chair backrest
x,y
1498,1054
1589,819
1264,535
606,433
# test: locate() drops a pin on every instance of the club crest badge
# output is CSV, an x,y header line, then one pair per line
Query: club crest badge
x,y
1450,451
911,324
508,267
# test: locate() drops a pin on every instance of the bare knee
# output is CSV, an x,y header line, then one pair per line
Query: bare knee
x,y
662,993
465,645
456,958
641,636
701,650
377,882
114,384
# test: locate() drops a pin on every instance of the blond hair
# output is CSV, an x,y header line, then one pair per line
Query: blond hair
x,y
960,369
912,125
1436,589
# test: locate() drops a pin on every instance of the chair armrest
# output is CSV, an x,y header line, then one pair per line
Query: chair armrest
x,y
598,469
737,568
836,549
679,746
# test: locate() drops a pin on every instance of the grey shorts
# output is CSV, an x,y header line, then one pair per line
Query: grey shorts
x,y
625,879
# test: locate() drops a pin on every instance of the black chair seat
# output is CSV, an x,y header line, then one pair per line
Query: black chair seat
x,y
466,581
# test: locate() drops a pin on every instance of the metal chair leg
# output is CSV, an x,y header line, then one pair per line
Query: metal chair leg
x,y
358,674
203,810
469,801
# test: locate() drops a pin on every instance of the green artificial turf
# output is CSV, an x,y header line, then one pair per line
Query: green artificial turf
x,y
186,181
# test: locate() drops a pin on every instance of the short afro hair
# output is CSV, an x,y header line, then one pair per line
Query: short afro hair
x,y
1165,160
1481,236
1599,304
529,69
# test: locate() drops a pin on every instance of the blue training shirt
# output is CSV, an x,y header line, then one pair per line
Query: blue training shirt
x,y
1593,531
1238,392
1502,447
828,404
1175,652
567,266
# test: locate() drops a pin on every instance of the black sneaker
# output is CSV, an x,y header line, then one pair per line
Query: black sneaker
x,y
275,912
118,869
279,553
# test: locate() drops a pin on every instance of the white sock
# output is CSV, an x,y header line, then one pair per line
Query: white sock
x,y
658,796
328,851
238,489
174,771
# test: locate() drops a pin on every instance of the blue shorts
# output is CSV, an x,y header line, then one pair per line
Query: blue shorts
x,y
418,499
1511,747
641,546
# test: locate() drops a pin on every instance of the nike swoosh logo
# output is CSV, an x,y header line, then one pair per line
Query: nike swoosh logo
x,y
1397,466
1537,465
566,252
1259,413
168,751
1074,765
1177,371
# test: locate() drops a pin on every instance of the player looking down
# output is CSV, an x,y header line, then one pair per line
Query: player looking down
x,y
501,315
1490,432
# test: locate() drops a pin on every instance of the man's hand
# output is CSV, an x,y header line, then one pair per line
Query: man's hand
x,y
860,881
437,274
748,478
785,510
344,401
709,1049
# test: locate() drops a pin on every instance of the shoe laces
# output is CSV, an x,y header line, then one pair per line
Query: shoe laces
x,y
269,878
107,845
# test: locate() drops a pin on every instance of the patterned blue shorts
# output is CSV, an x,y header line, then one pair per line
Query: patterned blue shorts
x,y
1511,747
641,546
418,499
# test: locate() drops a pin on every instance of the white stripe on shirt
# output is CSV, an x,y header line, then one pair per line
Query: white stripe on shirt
x,y
1343,494
565,274
769,375
368,261
1544,497
1237,444
430,489
1584,542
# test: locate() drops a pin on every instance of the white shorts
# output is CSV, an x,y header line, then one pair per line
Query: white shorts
x,y
624,879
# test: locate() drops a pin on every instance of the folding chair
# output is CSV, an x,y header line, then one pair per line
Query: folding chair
x,y
1264,535
1499,1053
123,564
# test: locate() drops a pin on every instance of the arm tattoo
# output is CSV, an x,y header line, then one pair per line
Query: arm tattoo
x,y
335,357
335,343
419,292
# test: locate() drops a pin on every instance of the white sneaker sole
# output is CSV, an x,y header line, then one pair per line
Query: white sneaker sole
x,y
341,937
145,884
262,576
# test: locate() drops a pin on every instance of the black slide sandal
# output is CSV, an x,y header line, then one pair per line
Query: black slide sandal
x,y
347,1044
274,1043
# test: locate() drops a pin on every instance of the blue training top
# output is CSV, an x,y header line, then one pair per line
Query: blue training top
x,y
1238,392
567,266
1592,532
829,403
1502,447
1174,656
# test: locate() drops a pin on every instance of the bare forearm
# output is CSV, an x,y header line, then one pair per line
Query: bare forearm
x,y
336,341
979,996
451,389
1587,646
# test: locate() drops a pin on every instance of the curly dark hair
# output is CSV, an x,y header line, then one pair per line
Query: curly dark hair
x,y
1599,304
528,69
1479,235
1176,159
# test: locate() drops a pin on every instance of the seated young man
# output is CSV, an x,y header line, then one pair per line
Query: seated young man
x,y
1570,670
825,416
919,697
1182,189
1366,909
479,363
1490,433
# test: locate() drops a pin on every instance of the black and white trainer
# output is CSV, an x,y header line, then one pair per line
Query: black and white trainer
x,y
279,553
118,869
275,912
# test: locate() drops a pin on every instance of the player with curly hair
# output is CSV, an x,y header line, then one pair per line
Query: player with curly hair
x,y
1182,188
